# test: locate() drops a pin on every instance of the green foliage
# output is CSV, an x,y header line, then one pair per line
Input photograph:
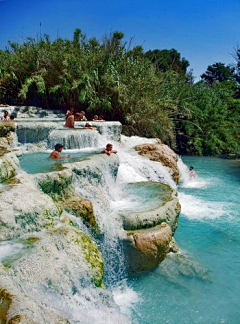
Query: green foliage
x,y
167,60
219,72
213,128
151,93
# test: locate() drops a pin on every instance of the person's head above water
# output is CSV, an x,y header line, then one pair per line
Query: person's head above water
x,y
58,147
55,155
191,168
5,113
109,147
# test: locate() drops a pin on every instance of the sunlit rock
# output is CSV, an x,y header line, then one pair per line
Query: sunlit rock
x,y
161,153
59,262
146,248
149,233
82,208
24,208
8,164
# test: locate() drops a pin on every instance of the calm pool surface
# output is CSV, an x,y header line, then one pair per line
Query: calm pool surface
x,y
39,162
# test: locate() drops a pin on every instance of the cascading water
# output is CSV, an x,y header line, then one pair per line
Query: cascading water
x,y
200,284
110,199
74,139
111,195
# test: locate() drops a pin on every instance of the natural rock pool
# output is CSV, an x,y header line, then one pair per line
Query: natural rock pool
x,y
39,162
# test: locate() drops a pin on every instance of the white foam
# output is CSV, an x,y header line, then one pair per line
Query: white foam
x,y
186,181
131,141
126,174
126,298
136,168
198,209
8,250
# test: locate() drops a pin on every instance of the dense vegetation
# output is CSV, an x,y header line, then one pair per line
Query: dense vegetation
x,y
151,93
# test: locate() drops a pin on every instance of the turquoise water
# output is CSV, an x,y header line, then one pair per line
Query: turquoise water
x,y
202,283
39,162
141,196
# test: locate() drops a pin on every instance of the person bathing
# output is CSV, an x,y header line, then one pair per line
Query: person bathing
x,y
5,116
192,172
70,118
89,126
55,155
109,149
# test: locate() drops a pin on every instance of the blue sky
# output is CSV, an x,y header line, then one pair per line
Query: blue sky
x,y
203,31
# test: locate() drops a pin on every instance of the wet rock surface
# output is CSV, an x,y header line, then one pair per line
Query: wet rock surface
x,y
161,153
145,249
24,208
8,164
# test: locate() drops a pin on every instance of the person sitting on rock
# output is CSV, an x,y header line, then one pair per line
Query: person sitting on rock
x,y
80,116
69,112
83,117
109,149
192,173
101,118
70,122
55,155
5,116
95,118
89,126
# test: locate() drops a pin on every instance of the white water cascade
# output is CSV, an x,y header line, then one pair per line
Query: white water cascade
x,y
75,139
110,188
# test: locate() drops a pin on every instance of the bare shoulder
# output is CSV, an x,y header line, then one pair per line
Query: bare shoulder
x,y
54,155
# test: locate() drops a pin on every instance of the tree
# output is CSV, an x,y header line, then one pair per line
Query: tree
x,y
167,60
219,72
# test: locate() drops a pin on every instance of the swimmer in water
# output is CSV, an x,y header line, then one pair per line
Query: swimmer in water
x,y
109,150
55,155
89,126
192,173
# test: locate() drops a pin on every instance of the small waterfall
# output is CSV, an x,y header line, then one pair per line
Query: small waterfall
x,y
111,130
34,132
108,195
102,193
74,138
136,168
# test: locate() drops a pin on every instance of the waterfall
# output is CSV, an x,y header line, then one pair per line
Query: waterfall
x,y
33,131
112,195
74,138
112,191
103,191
